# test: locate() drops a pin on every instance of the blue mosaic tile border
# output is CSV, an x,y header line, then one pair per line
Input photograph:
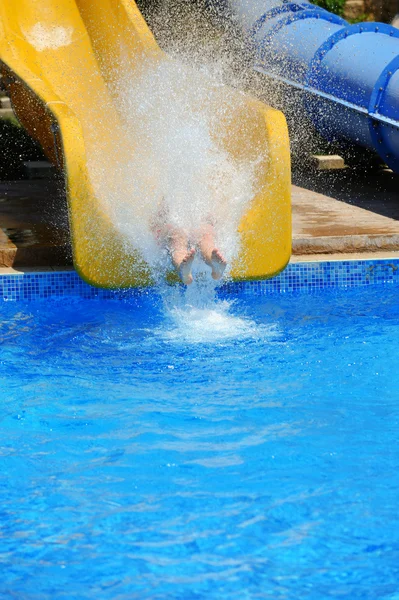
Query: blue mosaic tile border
x,y
302,277
309,276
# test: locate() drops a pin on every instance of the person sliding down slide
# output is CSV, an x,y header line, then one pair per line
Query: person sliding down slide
x,y
178,244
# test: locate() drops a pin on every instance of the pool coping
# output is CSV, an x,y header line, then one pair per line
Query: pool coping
x,y
299,276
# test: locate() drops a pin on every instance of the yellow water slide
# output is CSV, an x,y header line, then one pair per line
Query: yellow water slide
x,y
58,60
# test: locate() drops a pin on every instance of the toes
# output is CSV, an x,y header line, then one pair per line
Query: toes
x,y
218,257
188,257
218,264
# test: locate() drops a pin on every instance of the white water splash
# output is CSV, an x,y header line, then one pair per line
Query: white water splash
x,y
172,114
176,118
47,37
196,315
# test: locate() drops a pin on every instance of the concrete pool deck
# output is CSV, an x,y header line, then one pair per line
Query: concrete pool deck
x,y
33,224
337,215
344,212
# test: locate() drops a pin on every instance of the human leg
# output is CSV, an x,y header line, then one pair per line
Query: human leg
x,y
175,240
182,258
210,254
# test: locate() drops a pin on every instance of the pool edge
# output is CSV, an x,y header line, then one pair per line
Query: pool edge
x,y
299,276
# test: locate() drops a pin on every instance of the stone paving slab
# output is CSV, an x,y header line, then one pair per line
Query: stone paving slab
x,y
345,212
338,213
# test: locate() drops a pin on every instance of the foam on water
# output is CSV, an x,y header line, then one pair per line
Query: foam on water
x,y
196,315
215,323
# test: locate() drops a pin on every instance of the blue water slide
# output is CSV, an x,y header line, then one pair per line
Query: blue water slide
x,y
348,75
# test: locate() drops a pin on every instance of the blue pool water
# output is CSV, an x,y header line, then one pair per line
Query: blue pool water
x,y
195,451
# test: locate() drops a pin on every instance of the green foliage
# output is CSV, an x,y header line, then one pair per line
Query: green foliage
x,y
16,147
360,19
334,6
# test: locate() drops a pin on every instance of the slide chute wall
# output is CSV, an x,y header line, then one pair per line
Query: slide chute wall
x,y
59,60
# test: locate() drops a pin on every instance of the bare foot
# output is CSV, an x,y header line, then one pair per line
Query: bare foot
x,y
184,268
218,264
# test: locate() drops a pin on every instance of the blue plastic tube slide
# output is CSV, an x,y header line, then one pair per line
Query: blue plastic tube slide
x,y
349,74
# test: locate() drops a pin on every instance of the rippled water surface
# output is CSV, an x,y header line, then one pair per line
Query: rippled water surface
x,y
241,449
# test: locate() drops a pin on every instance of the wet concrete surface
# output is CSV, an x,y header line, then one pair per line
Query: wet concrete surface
x,y
34,228
345,211
334,213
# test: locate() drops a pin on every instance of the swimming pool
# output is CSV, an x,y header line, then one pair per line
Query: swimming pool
x,y
164,448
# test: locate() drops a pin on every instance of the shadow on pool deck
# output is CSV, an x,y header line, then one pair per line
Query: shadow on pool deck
x,y
335,212
34,228
345,211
